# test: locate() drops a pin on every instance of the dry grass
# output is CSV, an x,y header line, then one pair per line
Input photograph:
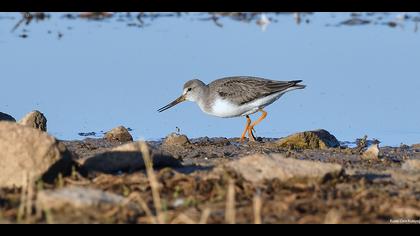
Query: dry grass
x,y
136,197
153,182
158,216
23,196
257,204
230,211
182,219
205,216
27,196
333,217
230,203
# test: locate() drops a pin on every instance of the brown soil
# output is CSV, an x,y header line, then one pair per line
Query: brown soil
x,y
368,192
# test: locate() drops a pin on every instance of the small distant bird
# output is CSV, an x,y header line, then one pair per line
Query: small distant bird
x,y
296,16
235,96
263,21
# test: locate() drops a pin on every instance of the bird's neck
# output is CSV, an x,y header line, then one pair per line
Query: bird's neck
x,y
203,100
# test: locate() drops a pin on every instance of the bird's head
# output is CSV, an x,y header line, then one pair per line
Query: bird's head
x,y
192,91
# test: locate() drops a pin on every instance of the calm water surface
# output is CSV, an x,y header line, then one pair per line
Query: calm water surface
x,y
94,75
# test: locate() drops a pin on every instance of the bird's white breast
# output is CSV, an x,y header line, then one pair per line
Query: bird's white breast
x,y
224,108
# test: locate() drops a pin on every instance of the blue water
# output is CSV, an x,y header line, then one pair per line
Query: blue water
x,y
98,75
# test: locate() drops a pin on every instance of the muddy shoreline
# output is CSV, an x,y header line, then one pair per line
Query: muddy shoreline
x,y
367,192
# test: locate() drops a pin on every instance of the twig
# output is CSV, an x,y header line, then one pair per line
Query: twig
x,y
30,196
139,18
153,182
205,216
26,16
257,203
215,19
230,203
81,182
23,196
17,25
361,144
137,197
182,218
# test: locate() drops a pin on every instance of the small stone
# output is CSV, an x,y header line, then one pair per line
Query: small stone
x,y
119,133
309,140
178,202
30,153
372,153
6,117
258,167
176,139
35,119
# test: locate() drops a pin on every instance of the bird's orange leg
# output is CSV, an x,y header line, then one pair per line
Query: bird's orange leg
x,y
251,127
248,122
250,134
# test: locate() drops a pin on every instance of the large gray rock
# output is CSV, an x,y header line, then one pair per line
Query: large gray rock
x,y
34,119
258,167
6,117
76,197
127,157
27,152
310,140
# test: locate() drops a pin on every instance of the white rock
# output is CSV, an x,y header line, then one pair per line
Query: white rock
x,y
258,167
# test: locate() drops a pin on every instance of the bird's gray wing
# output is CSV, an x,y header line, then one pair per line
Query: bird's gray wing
x,y
244,89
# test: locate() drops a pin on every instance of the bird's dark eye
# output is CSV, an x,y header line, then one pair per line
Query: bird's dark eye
x,y
189,89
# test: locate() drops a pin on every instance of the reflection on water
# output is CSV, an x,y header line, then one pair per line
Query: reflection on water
x,y
143,19
90,72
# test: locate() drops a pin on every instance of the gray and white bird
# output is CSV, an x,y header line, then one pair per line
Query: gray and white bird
x,y
235,96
